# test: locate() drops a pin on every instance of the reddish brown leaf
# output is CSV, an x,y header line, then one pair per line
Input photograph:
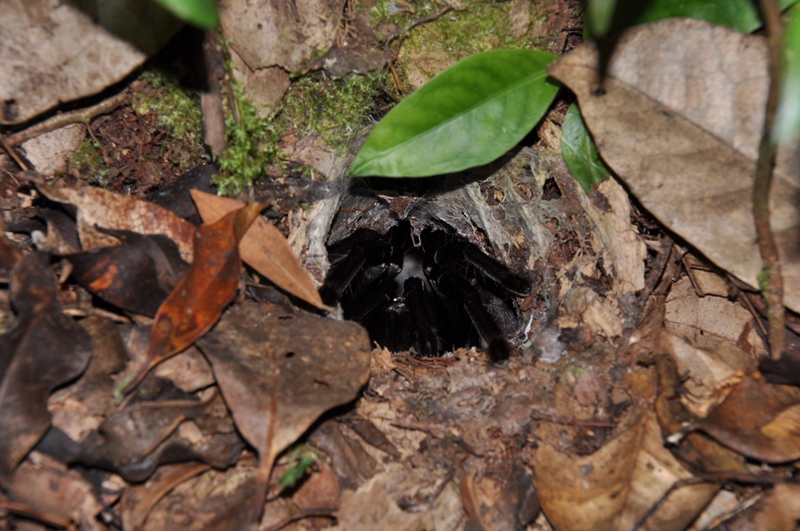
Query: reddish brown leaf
x,y
264,249
135,276
196,303
46,349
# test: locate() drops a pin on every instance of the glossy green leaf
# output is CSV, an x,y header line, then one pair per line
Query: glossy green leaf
x,y
579,151
599,14
200,13
740,15
787,125
467,116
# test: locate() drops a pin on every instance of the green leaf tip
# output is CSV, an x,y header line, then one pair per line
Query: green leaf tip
x,y
469,115
580,153
200,13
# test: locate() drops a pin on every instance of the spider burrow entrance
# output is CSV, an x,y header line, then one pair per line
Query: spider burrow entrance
x,y
424,289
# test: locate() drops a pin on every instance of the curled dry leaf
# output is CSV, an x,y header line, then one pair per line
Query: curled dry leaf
x,y
758,420
45,350
135,441
120,212
679,119
264,249
135,276
196,303
278,374
615,486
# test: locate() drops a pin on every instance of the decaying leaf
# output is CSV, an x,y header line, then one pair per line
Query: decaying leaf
x,y
60,52
139,500
50,488
46,349
615,486
98,207
196,303
758,420
707,337
279,373
135,276
287,37
264,249
679,118
137,439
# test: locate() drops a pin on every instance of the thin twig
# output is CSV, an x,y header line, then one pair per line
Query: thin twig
x,y
78,116
773,282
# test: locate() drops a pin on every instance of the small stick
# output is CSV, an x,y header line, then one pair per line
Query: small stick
x,y
78,116
773,285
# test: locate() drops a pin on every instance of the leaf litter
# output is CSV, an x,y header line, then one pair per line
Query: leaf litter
x,y
630,339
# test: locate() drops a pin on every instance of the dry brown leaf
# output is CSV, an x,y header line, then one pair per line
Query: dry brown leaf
x,y
46,349
59,52
781,509
759,420
264,249
139,500
210,284
120,212
615,486
679,118
705,336
278,374
48,486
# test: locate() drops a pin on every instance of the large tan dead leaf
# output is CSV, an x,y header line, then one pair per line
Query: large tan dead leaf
x,y
59,52
264,249
121,212
615,486
279,373
679,119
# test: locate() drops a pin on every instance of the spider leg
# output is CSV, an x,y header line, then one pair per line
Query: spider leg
x,y
496,344
383,292
425,326
457,255
392,328
342,274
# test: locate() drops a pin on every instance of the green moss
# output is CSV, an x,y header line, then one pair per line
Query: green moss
x,y
479,27
177,107
179,120
252,147
335,109
88,158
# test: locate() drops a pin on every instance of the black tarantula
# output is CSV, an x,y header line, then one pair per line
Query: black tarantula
x,y
423,287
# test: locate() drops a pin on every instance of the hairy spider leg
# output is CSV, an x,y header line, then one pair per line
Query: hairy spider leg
x,y
496,344
342,274
424,319
456,253
391,328
376,296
